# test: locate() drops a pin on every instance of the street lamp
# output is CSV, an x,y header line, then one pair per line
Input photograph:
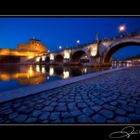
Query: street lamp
x,y
60,47
78,41
122,28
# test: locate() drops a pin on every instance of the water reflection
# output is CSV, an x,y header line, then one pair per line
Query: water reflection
x,y
37,74
66,74
37,68
43,70
25,74
119,64
51,71
84,70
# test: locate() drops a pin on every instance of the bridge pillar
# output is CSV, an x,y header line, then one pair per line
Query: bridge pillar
x,y
66,60
95,60
51,58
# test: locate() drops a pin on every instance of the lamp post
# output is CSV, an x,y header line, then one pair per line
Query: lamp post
x,y
78,42
122,29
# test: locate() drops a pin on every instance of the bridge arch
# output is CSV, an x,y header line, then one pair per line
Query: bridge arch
x,y
58,58
80,55
113,48
47,59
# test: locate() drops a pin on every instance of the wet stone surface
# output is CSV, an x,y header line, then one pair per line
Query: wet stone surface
x,y
110,98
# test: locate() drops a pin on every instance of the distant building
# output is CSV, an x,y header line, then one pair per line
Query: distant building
x,y
23,52
33,46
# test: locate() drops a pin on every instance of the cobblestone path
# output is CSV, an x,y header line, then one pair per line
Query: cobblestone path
x,y
109,98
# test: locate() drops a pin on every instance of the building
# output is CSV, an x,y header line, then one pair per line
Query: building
x,y
23,52
33,46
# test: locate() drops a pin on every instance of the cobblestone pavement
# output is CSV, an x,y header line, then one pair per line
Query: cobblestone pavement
x,y
109,98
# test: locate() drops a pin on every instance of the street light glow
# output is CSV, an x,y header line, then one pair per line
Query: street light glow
x,y
78,41
122,28
60,47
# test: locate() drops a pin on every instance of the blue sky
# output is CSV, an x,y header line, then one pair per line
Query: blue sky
x,y
55,31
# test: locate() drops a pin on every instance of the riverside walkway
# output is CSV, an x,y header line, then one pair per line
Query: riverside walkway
x,y
110,98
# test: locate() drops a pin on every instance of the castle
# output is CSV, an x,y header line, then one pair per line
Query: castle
x,y
34,48
30,50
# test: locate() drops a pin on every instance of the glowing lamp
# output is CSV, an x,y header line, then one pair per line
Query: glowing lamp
x,y
60,47
78,41
122,28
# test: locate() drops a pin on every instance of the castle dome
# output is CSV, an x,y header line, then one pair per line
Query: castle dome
x,y
34,45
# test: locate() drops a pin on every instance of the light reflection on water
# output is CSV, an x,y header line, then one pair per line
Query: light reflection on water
x,y
14,76
121,64
66,74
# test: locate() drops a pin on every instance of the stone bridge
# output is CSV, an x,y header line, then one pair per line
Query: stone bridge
x,y
99,52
